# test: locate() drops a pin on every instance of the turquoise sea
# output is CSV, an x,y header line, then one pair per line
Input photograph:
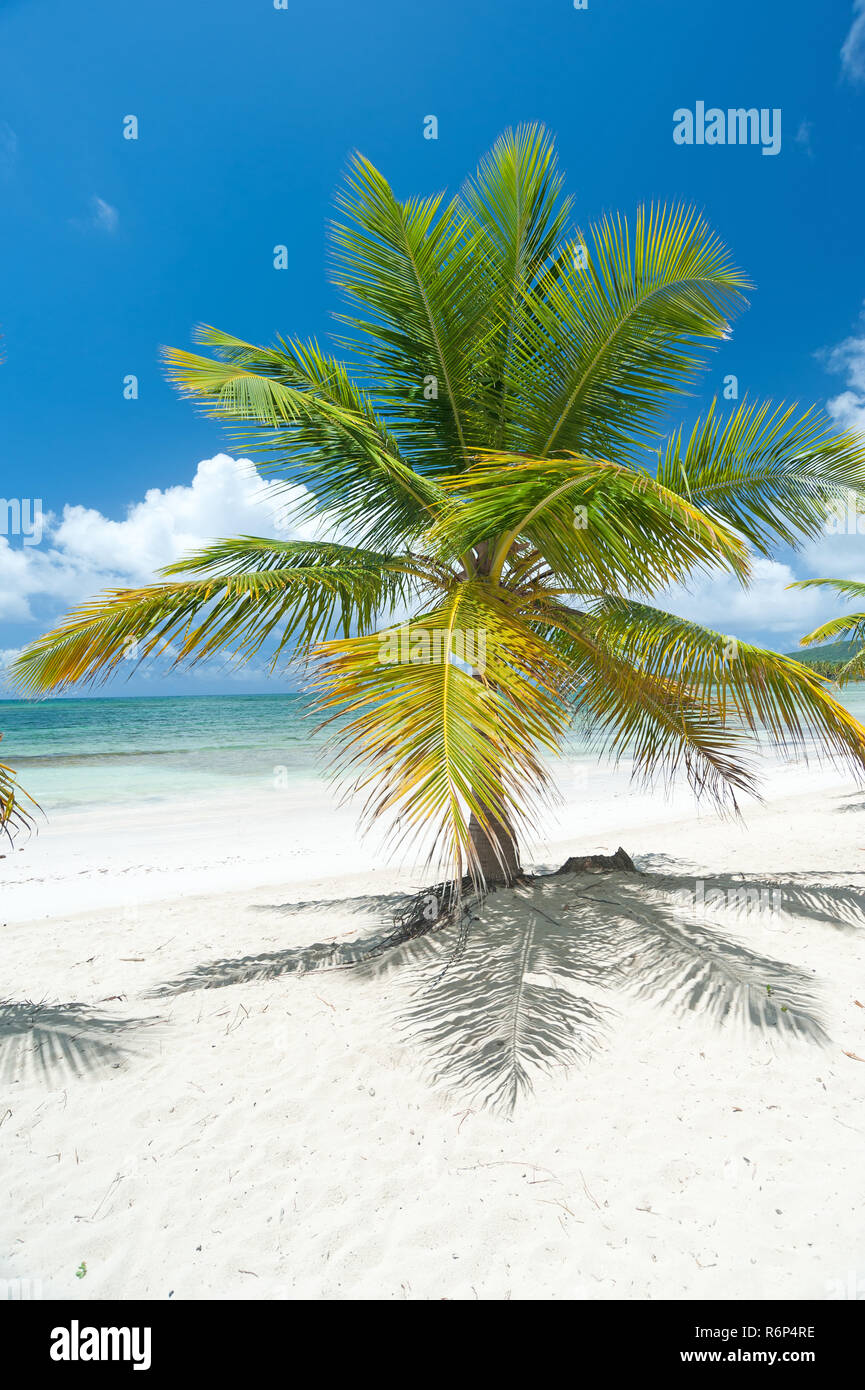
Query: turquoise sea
x,y
74,753
77,753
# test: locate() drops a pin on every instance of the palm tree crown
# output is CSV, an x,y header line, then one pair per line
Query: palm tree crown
x,y
490,459
851,624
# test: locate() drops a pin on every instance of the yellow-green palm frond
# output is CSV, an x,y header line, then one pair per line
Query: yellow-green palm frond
x,y
298,592
847,588
850,625
765,471
15,804
598,525
243,554
854,669
647,716
429,742
515,202
750,687
618,332
319,427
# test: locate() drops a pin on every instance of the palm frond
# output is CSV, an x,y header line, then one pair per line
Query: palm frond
x,y
764,470
847,588
611,338
15,803
647,715
854,669
514,203
319,430
417,269
599,525
302,593
851,624
746,687
430,743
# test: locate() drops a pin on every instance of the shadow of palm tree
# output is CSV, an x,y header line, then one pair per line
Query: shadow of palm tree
x,y
518,1001
797,895
405,937
512,1003
372,904
519,996
53,1041
665,953
855,802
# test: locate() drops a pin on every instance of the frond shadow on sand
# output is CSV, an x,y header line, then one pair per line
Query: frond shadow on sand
x,y
51,1042
386,911
523,992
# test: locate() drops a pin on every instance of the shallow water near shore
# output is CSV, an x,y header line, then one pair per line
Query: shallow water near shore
x,y
83,753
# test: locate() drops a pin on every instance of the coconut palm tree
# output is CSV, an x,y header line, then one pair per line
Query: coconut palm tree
x,y
851,625
490,459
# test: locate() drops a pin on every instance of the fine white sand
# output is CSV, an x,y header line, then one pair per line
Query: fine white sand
x,y
285,1137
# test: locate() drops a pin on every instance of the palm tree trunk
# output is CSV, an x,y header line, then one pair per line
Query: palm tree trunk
x,y
497,853
498,856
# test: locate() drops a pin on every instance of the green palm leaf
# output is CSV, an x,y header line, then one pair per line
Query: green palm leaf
x,y
750,687
515,204
764,471
608,343
852,624
254,590
417,269
15,813
597,524
649,716
319,427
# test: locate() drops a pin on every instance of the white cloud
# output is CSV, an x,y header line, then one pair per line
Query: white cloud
x,y
84,551
103,218
848,408
853,50
767,606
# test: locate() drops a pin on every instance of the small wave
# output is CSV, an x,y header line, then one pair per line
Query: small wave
x,y
131,754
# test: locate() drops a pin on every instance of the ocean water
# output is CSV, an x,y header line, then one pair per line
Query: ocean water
x,y
79,753
71,753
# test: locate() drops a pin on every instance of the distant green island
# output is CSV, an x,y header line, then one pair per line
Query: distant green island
x,y
826,660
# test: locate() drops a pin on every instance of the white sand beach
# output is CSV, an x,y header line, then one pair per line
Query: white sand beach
x,y
284,1137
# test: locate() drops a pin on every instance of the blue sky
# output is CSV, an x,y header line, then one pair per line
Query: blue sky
x,y
247,115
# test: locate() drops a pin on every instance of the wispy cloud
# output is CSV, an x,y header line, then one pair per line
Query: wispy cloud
x,y
853,49
104,217
803,137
